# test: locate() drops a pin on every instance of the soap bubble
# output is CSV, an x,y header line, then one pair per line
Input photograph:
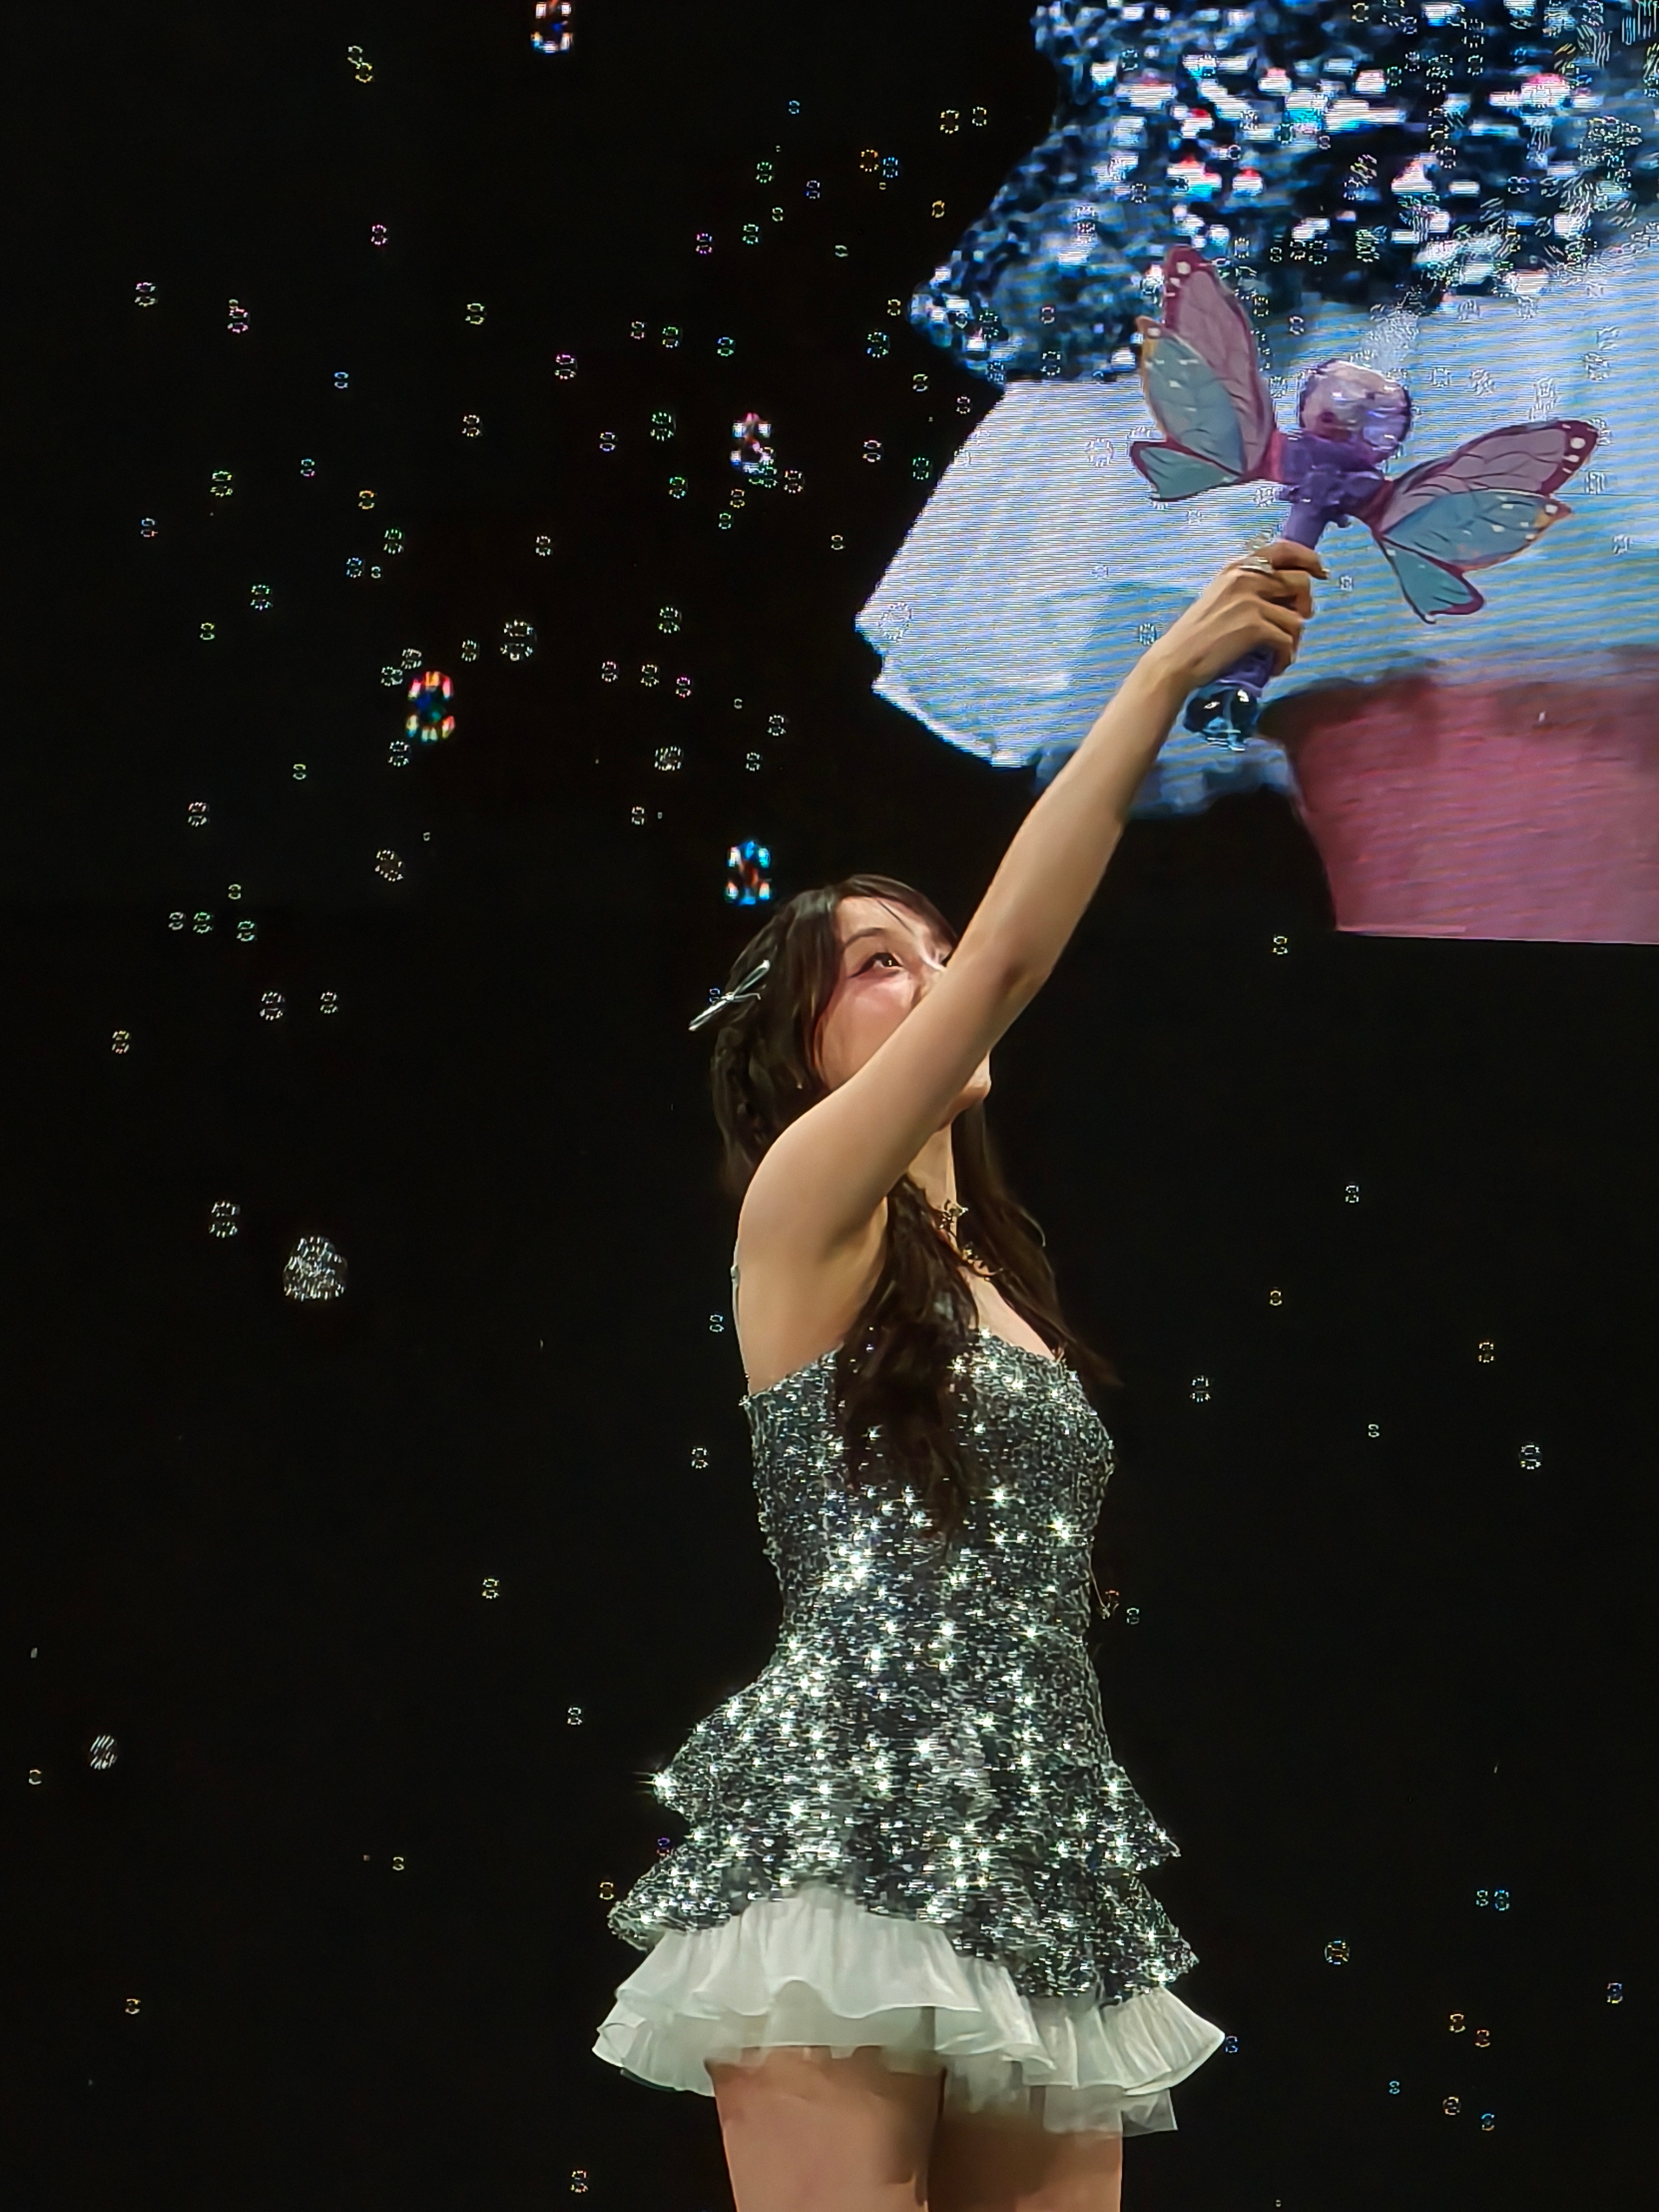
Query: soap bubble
x,y
746,881
751,454
222,1219
552,30
387,864
430,718
518,640
314,1272
101,1753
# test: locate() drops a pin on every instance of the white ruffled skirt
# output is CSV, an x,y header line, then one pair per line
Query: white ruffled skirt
x,y
816,1968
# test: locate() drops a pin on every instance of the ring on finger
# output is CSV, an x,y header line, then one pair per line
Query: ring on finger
x,y
1255,566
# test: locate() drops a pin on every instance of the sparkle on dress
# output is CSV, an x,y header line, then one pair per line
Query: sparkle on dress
x,y
928,1734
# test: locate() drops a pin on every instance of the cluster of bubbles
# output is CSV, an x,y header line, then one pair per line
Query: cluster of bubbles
x,y
314,1272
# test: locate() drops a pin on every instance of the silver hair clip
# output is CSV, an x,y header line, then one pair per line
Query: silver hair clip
x,y
745,990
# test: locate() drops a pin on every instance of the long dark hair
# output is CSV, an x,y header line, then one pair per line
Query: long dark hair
x,y
894,1367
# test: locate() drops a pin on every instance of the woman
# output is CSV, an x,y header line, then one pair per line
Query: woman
x,y
904,1944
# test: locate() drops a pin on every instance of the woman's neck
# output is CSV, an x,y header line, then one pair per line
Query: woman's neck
x,y
934,1170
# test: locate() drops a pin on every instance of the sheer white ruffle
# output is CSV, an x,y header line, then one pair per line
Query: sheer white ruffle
x,y
817,1968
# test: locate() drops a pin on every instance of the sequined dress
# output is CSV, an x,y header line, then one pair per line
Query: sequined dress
x,y
909,1831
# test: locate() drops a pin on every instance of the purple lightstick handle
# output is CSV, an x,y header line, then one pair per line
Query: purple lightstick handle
x,y
1303,527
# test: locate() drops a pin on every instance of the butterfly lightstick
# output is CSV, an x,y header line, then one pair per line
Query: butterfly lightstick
x,y
1486,501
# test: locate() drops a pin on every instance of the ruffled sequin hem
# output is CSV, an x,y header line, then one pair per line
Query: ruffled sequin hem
x,y
816,1968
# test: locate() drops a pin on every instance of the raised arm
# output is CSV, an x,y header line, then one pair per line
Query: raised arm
x,y
818,1187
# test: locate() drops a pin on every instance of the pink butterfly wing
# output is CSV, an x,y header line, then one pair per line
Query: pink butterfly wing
x,y
1198,308
1526,456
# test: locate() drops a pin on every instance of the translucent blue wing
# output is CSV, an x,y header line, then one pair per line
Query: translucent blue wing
x,y
1193,407
1174,473
1472,529
1430,587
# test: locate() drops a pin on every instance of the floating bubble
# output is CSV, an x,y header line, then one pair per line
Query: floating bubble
x,y
677,487
329,1003
682,686
222,1218
518,640
543,548
101,1753
195,814
551,30
717,1321
491,1586
746,880
474,313
120,1040
388,865
469,648
751,762
705,242
221,484
649,673
342,380
1200,1389
429,719
272,1008
776,724
726,348
245,932
143,294
1337,1952
573,1715
607,672
314,1272
132,2004
751,454
471,426
564,366
1351,1193
667,758
377,233
147,526
699,1455
307,466
668,619
872,450
1532,1458
662,426
236,322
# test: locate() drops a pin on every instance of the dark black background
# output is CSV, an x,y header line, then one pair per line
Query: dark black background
x,y
1370,1677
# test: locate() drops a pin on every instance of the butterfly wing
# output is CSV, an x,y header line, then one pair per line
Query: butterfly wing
x,y
1431,588
1521,457
1176,473
1210,323
1483,503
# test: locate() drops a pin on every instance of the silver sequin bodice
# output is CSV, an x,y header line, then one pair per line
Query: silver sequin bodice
x,y
928,1733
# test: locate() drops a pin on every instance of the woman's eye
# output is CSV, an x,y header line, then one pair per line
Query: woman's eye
x,y
874,956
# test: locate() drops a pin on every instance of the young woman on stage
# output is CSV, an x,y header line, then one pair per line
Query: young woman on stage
x,y
904,1944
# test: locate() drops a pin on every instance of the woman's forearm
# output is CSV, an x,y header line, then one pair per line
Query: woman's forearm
x,y
1056,857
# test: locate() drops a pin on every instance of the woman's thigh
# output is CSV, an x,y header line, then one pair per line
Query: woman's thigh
x,y
808,2132
981,2164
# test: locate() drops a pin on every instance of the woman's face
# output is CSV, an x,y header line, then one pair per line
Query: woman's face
x,y
889,960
